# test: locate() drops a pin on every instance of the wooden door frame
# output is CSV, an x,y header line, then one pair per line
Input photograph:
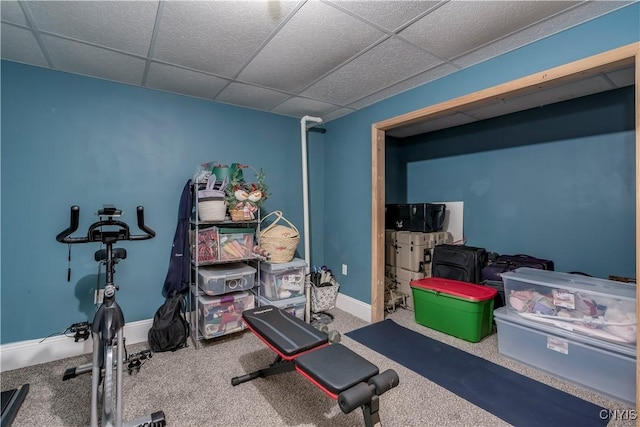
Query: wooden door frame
x,y
563,74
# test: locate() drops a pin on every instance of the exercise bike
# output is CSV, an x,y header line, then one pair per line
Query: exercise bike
x,y
108,323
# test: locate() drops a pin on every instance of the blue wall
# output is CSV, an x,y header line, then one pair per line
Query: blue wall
x,y
68,139
395,166
556,182
348,187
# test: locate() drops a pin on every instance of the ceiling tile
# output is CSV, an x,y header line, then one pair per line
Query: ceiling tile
x,y
20,45
299,107
461,26
218,36
337,114
186,82
122,25
390,15
93,61
12,12
410,83
250,96
308,47
326,57
539,31
390,62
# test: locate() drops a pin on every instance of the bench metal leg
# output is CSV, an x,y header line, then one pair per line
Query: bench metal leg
x,y
365,395
278,366
370,412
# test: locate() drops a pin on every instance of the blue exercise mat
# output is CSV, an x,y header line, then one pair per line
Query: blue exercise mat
x,y
518,400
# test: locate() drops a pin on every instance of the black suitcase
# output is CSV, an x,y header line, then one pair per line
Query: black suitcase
x,y
458,262
390,216
427,217
404,217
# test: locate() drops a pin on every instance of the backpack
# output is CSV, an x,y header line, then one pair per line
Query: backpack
x,y
170,330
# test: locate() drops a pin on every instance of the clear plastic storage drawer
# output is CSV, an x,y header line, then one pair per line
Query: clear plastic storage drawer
x,y
223,278
294,306
222,315
598,365
282,280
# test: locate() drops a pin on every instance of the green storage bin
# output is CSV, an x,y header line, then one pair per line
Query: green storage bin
x,y
461,309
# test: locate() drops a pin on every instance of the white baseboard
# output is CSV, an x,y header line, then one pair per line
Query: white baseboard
x,y
354,306
33,352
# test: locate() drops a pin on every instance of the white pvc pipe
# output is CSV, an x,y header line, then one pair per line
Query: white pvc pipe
x,y
305,202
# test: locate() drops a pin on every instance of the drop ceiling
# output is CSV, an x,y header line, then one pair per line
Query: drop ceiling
x,y
581,84
295,58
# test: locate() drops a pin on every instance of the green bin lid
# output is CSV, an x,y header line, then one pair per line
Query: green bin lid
x,y
465,290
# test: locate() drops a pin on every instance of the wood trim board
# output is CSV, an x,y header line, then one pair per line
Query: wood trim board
x,y
554,77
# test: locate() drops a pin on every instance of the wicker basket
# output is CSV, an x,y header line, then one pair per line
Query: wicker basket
x,y
280,240
241,215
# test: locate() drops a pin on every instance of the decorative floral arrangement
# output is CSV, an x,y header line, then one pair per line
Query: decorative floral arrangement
x,y
243,196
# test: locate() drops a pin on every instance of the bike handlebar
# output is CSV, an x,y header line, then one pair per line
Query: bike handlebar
x,y
141,225
62,237
95,235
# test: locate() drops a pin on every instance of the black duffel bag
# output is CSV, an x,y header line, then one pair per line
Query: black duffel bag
x,y
506,263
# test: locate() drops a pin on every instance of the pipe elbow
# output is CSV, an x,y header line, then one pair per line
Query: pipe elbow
x,y
305,119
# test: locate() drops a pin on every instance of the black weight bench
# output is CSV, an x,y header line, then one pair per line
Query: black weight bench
x,y
11,402
339,372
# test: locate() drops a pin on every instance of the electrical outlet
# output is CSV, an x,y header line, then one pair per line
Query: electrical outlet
x,y
344,269
98,296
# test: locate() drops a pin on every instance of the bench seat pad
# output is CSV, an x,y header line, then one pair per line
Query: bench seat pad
x,y
336,368
287,334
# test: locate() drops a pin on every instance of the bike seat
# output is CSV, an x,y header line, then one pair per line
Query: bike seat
x,y
118,253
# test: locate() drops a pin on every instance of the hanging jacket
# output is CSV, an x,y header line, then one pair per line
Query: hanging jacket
x,y
177,279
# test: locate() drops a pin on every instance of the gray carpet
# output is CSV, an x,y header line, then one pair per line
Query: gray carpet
x,y
193,388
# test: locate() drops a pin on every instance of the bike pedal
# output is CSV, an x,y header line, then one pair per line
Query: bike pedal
x,y
133,367
80,326
69,374
157,420
81,335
